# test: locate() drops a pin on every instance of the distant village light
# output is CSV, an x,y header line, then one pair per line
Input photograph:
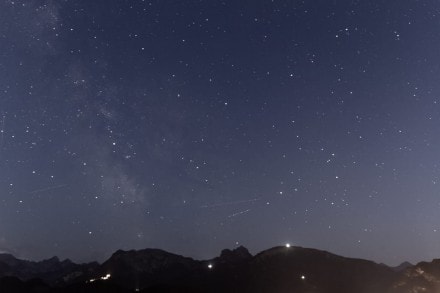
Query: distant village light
x,y
303,277
106,277
288,245
210,266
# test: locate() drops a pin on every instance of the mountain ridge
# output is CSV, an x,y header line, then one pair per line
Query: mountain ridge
x,y
277,269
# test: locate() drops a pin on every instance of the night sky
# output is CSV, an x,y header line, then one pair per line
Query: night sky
x,y
195,126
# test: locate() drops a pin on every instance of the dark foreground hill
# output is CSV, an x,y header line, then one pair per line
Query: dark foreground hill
x,y
279,269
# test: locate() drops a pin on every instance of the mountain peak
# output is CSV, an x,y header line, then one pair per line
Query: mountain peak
x,y
52,260
7,256
9,259
238,254
403,266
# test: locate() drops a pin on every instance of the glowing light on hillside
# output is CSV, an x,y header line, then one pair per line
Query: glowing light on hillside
x,y
210,266
106,277
303,277
287,245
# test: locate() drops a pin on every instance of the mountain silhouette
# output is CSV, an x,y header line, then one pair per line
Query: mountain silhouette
x,y
279,269
52,271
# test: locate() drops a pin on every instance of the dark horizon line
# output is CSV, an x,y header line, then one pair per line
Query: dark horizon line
x,y
286,246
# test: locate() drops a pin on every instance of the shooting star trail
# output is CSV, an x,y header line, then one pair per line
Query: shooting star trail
x,y
47,188
239,213
230,203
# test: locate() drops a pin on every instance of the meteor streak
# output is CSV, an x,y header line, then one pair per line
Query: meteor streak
x,y
47,188
221,204
239,213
